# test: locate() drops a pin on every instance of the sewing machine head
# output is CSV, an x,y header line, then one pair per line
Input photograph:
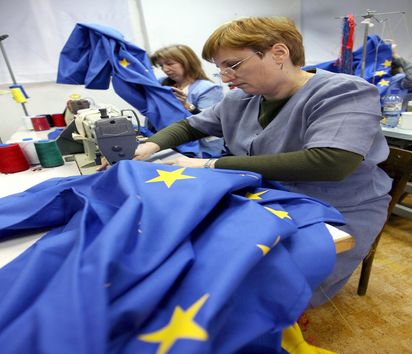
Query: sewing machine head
x,y
106,131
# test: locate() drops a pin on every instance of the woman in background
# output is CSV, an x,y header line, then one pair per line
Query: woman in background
x,y
191,86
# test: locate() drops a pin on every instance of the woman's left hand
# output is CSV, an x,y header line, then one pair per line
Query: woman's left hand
x,y
180,95
187,162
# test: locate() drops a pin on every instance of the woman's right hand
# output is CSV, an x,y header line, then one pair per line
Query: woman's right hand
x,y
145,150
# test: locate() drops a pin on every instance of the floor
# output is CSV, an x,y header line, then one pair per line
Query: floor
x,y
381,321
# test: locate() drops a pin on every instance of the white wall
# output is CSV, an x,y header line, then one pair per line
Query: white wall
x,y
38,29
191,22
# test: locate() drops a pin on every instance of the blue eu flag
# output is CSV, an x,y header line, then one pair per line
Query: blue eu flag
x,y
377,64
93,55
150,258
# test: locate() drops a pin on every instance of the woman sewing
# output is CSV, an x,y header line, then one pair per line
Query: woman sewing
x,y
318,133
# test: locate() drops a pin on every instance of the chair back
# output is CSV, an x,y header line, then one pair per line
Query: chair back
x,y
399,167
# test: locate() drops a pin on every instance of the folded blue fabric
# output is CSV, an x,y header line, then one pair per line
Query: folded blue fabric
x,y
146,258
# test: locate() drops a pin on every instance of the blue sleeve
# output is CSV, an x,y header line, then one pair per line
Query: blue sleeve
x,y
209,98
204,94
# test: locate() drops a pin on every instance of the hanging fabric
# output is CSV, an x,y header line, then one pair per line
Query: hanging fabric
x,y
348,33
96,55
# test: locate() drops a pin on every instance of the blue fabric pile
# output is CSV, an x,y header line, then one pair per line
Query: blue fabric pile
x,y
150,258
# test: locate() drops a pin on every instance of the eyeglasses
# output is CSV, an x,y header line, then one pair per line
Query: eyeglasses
x,y
231,70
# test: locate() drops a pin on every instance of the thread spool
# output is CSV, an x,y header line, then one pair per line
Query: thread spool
x,y
58,120
12,159
40,123
27,146
28,125
48,153
406,121
49,119
75,96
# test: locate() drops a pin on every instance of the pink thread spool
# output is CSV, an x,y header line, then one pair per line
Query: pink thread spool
x,y
40,123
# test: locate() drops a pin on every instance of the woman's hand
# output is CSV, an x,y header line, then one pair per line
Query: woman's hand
x,y
104,164
146,150
180,95
143,152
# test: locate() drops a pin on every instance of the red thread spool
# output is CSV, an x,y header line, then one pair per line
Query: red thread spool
x,y
12,159
58,120
40,123
49,118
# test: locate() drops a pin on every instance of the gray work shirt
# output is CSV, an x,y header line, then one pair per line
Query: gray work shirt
x,y
330,110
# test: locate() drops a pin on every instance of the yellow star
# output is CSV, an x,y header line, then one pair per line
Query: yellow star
x,y
380,73
169,177
180,326
124,63
279,213
254,196
387,63
265,249
383,82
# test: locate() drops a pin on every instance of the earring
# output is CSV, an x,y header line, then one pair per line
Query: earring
x,y
281,67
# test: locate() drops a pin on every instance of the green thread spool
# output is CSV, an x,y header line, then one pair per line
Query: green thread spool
x,y
48,153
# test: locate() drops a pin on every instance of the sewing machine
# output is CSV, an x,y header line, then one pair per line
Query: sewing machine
x,y
106,131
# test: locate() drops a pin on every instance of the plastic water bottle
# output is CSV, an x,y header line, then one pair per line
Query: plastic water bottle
x,y
392,108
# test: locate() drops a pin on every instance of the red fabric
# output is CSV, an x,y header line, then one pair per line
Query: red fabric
x,y
351,36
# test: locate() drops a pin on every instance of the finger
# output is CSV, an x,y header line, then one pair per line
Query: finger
x,y
178,162
168,162
176,90
179,93
139,157
102,167
103,164
181,98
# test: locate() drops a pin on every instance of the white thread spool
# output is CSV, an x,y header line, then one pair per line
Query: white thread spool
x,y
27,122
27,146
406,120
